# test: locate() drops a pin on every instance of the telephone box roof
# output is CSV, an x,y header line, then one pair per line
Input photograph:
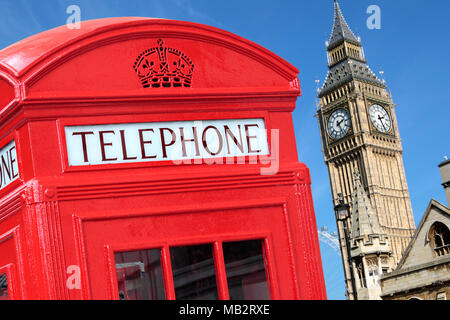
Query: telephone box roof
x,y
20,57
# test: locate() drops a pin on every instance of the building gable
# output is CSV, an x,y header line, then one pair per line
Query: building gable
x,y
419,250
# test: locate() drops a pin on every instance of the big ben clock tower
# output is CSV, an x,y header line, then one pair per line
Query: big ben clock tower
x,y
363,151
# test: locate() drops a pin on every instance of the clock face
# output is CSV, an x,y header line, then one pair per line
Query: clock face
x,y
339,124
380,118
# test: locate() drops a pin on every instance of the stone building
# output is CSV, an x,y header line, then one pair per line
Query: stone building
x,y
424,270
370,252
359,133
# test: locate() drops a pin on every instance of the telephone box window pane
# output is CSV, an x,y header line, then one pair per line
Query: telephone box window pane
x,y
246,274
194,275
3,287
139,275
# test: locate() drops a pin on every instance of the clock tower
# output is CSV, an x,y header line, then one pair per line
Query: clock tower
x,y
359,133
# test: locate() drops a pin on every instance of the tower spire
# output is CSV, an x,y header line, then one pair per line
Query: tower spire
x,y
341,31
370,249
346,58
373,229
365,222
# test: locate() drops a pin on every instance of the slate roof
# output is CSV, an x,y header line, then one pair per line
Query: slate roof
x,y
347,70
365,222
341,30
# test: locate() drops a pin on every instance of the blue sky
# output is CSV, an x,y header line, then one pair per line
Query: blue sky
x,y
411,47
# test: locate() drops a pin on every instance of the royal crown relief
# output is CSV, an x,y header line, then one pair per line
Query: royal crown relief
x,y
164,67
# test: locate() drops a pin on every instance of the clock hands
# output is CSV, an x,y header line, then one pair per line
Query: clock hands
x,y
381,120
338,124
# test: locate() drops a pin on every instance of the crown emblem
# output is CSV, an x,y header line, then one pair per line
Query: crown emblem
x,y
164,67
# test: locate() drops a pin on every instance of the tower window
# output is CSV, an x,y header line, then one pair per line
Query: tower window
x,y
439,237
360,273
373,271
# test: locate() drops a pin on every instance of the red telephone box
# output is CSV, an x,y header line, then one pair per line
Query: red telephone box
x,y
152,159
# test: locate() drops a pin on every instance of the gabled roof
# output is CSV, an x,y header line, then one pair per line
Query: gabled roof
x,y
341,30
433,204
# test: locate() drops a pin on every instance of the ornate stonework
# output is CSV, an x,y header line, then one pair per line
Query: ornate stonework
x,y
370,250
371,144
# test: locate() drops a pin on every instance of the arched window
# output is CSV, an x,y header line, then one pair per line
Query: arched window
x,y
439,237
359,268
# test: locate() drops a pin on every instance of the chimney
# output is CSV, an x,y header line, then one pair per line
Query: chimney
x,y
445,173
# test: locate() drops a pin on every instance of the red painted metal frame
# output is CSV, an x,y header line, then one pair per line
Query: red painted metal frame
x,y
159,243
218,260
55,216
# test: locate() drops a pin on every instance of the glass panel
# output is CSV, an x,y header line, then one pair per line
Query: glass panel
x,y
139,275
3,287
246,274
194,275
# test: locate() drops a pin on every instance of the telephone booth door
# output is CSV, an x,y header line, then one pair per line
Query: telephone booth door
x,y
237,254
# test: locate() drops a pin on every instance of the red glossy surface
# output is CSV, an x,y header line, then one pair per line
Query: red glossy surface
x,y
56,216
